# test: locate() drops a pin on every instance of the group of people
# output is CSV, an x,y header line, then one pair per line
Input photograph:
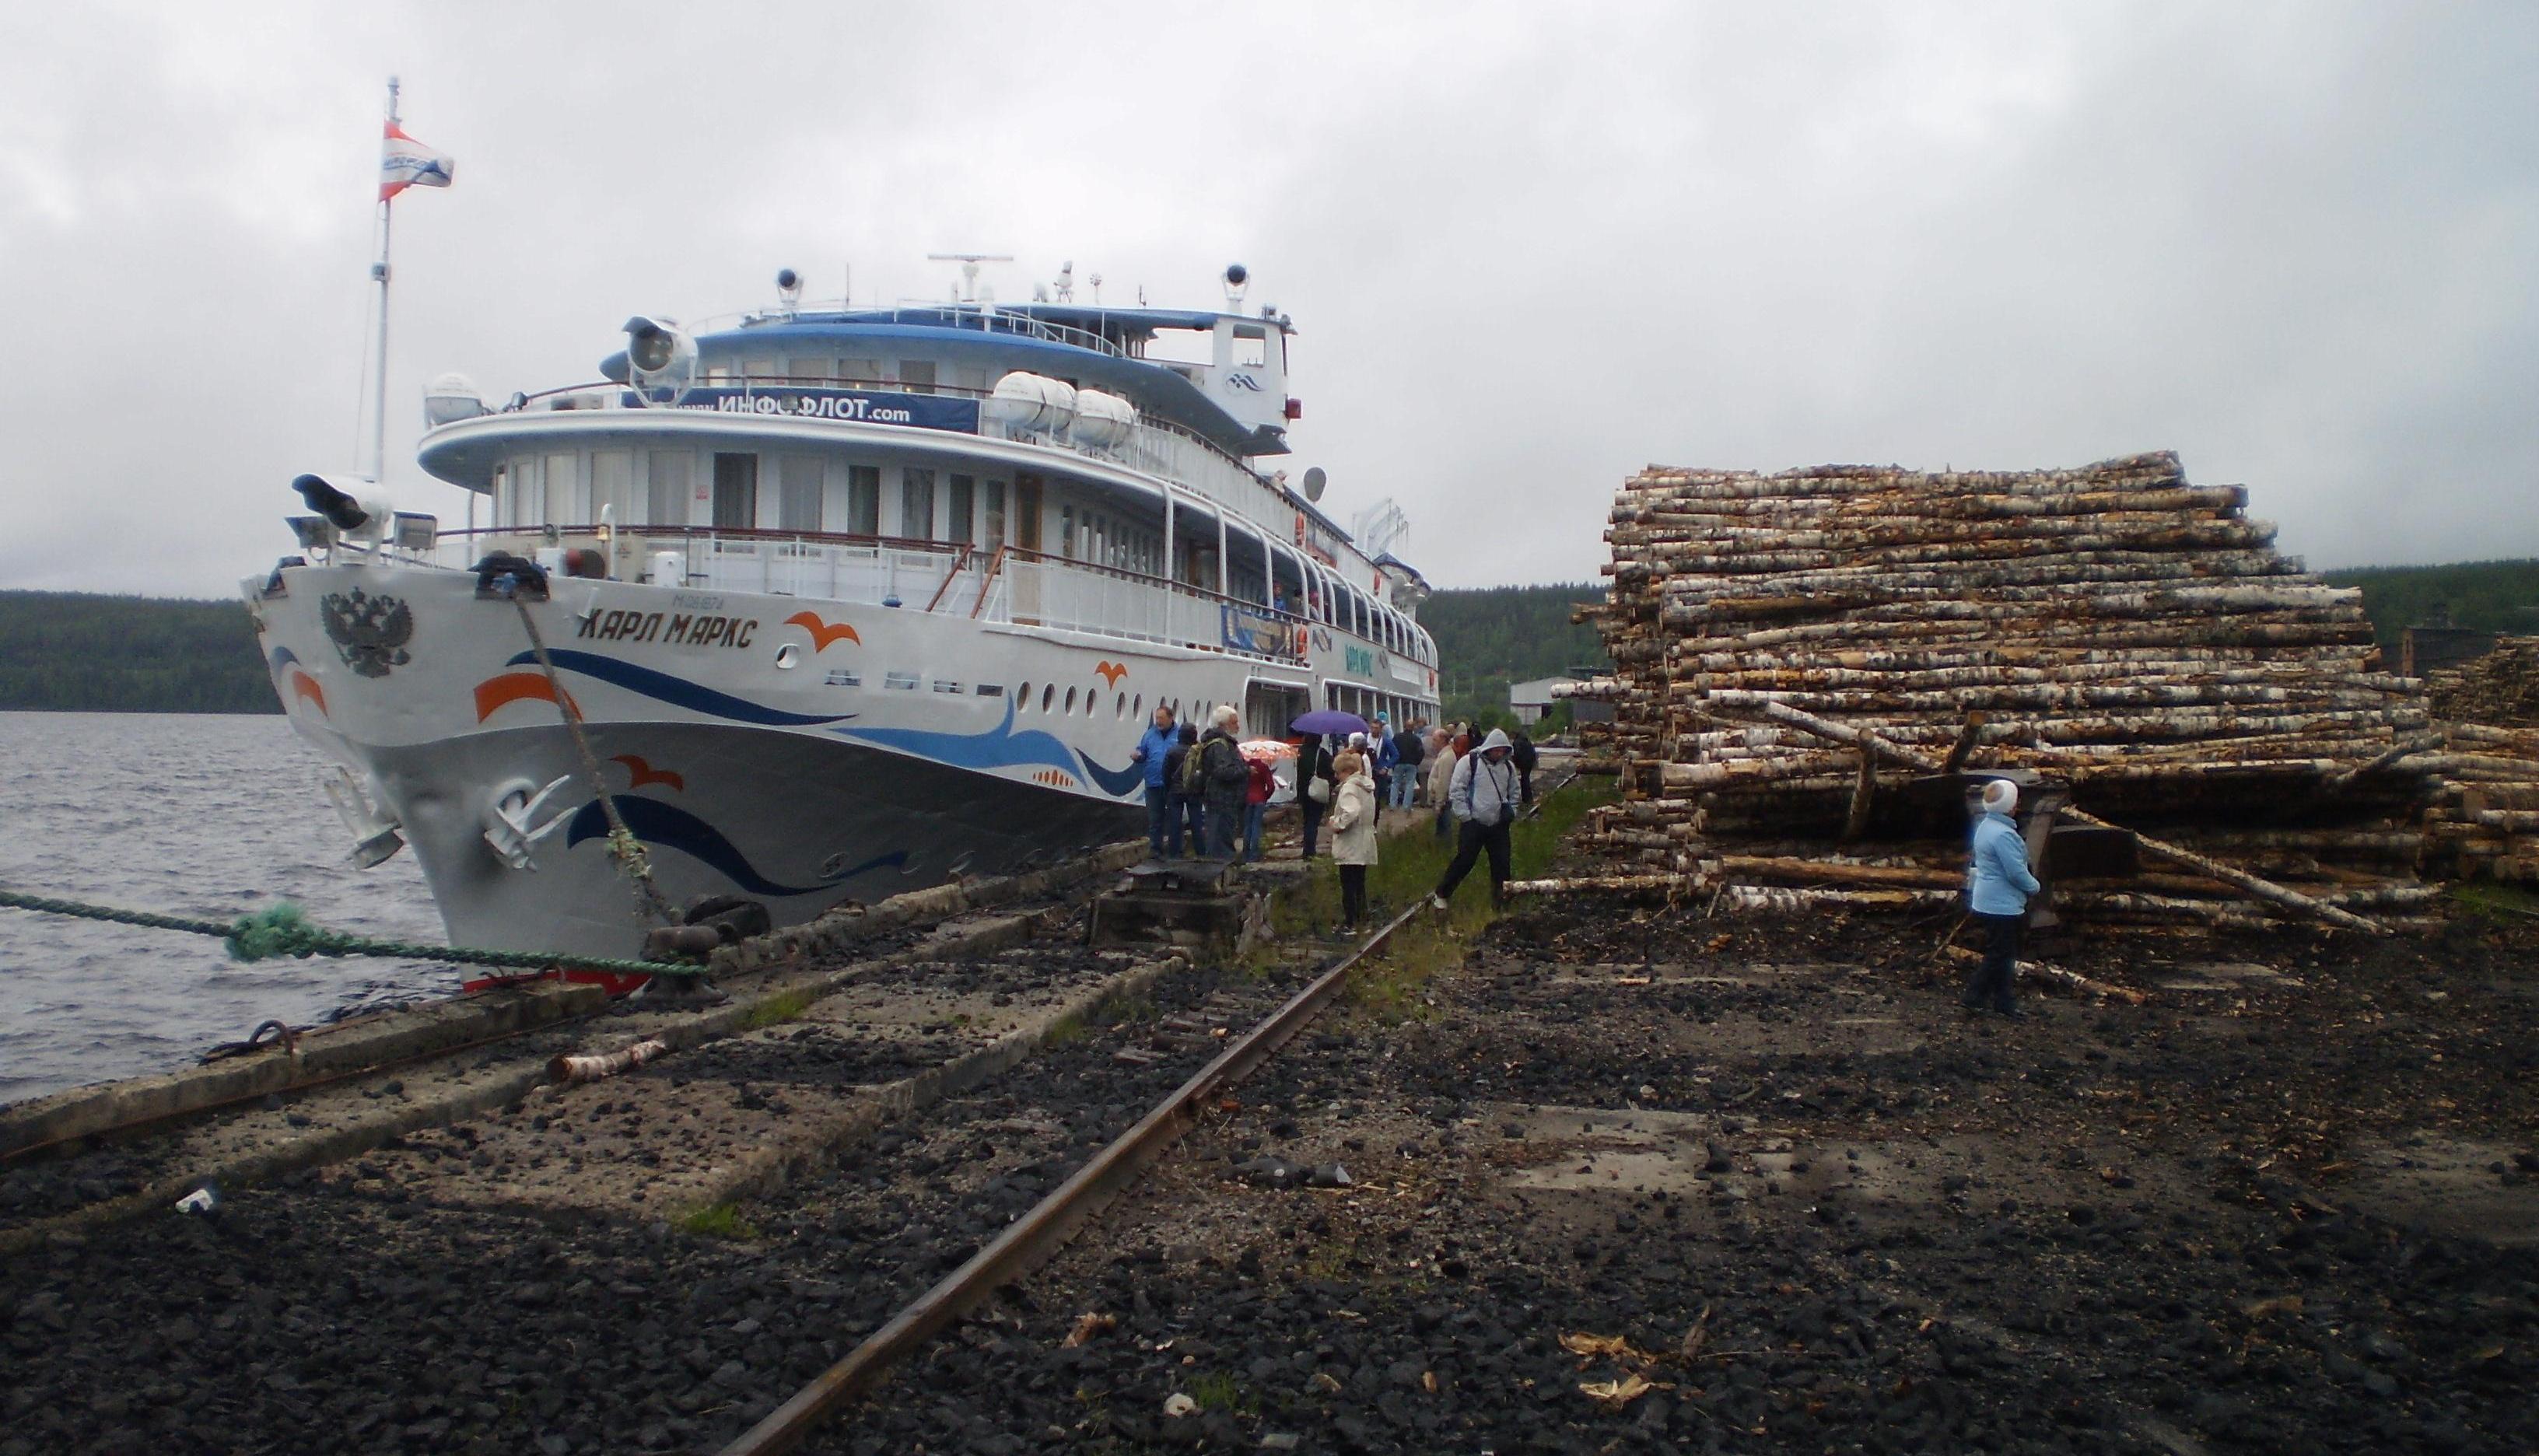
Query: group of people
x,y
1204,794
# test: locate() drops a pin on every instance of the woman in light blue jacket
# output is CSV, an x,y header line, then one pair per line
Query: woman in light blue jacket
x,y
1998,885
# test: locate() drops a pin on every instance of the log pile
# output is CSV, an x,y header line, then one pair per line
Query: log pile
x,y
1799,655
2500,689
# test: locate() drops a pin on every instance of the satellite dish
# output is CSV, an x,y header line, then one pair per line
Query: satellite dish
x,y
1314,480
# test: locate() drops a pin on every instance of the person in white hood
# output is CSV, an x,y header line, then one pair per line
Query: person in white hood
x,y
1483,797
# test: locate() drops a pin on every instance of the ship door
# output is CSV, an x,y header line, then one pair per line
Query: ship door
x,y
735,492
1026,523
1268,707
1024,577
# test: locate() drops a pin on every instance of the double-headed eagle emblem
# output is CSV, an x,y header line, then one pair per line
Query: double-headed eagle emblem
x,y
370,632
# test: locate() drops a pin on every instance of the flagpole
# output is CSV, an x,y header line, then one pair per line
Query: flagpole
x,y
379,383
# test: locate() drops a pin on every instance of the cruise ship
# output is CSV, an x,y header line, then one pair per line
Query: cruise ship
x,y
836,601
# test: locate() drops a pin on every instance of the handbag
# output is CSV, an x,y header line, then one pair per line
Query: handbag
x,y
1319,789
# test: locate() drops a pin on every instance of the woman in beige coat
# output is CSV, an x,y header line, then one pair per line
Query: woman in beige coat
x,y
1353,833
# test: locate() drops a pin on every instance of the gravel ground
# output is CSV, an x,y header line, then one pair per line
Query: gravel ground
x,y
380,1307
1771,1169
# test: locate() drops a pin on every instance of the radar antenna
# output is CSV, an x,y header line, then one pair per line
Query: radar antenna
x,y
1380,527
968,291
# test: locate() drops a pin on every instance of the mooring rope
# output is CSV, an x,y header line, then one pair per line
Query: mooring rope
x,y
623,846
282,930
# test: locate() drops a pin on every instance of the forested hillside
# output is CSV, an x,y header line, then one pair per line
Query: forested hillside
x,y
1498,634
2488,595
72,651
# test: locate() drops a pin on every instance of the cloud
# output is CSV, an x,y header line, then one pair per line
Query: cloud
x,y
1529,248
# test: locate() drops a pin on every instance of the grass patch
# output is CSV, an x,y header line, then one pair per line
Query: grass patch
x,y
1217,1390
783,1006
716,1220
1390,985
1065,1031
2495,900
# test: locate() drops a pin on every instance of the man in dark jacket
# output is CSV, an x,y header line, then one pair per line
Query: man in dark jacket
x,y
1407,751
1226,775
1522,756
1313,761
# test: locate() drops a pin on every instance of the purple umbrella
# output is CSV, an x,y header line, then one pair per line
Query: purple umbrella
x,y
1329,721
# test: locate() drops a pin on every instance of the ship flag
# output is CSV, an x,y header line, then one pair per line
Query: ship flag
x,y
406,162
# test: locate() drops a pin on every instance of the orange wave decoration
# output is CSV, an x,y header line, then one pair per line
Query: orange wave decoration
x,y
639,773
1111,672
304,686
823,633
495,693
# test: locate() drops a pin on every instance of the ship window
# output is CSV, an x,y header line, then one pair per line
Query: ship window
x,y
562,481
810,370
1071,700
917,376
991,690
962,489
902,681
502,505
917,504
612,485
1121,708
736,491
720,372
859,371
1066,531
845,677
1022,697
672,470
944,685
864,500
798,499
1047,694
1141,705
1251,347
760,368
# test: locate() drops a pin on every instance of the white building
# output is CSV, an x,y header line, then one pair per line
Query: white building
x,y
1529,701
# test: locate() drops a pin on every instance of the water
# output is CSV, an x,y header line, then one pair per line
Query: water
x,y
197,815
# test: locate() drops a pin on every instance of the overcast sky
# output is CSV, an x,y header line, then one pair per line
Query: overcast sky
x,y
1529,248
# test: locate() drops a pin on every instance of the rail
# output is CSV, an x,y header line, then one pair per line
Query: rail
x,y
1035,1236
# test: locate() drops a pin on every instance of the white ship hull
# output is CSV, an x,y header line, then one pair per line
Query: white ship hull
x,y
796,752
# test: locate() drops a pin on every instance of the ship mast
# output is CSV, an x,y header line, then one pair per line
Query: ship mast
x,y
380,275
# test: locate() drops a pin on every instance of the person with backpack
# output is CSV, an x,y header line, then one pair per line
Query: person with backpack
x,y
1522,754
1313,789
1353,834
1482,795
1408,750
1223,772
1998,884
1155,754
1189,809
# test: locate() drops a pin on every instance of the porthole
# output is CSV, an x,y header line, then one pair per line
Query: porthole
x,y
788,655
1141,704
1048,695
1122,711
1071,700
1022,697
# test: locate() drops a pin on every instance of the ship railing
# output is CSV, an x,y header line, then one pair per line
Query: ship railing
x,y
1008,585
1154,446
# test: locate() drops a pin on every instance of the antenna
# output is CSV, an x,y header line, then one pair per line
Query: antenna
x,y
968,291
1380,527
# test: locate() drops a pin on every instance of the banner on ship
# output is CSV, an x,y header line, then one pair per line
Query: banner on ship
x,y
1245,629
855,406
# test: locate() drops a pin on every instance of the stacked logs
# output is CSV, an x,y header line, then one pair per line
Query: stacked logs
x,y
2501,688
1794,650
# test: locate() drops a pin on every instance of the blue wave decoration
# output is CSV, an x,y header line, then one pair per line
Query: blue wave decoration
x,y
998,747
282,656
1114,781
676,691
675,828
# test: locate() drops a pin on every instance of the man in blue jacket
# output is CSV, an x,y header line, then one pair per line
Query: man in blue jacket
x,y
1998,885
1155,742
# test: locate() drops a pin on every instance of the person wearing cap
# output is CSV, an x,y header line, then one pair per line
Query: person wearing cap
x,y
1998,884
1483,796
